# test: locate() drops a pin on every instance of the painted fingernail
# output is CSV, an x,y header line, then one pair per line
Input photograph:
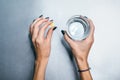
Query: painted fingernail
x,y
85,17
40,16
34,20
54,28
51,20
63,32
47,18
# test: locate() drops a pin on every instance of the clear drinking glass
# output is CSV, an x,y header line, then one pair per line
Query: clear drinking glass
x,y
78,28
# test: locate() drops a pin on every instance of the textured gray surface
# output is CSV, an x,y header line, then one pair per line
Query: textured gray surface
x,y
16,53
16,56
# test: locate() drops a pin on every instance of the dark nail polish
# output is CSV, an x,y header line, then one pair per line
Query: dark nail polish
x,y
34,20
51,20
54,28
85,17
63,32
47,18
40,16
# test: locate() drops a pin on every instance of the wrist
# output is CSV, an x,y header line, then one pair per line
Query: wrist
x,y
40,68
39,58
42,61
82,64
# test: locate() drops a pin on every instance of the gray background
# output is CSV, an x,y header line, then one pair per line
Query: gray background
x,y
17,54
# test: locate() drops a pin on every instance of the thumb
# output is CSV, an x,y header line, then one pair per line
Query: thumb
x,y
67,38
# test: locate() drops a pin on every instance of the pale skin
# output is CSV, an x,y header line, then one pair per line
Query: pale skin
x,y
42,45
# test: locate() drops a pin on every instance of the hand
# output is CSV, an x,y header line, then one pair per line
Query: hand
x,y
81,48
41,43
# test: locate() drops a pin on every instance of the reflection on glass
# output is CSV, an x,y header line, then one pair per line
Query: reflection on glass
x,y
77,28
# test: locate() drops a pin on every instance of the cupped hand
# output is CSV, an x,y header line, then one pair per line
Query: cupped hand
x,y
81,48
42,44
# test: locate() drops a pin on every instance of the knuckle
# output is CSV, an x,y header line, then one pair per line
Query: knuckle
x,y
35,25
33,40
48,23
42,21
37,41
91,40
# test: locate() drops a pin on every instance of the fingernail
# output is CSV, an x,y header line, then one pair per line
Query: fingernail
x,y
34,20
54,28
47,18
63,32
85,17
51,20
40,16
